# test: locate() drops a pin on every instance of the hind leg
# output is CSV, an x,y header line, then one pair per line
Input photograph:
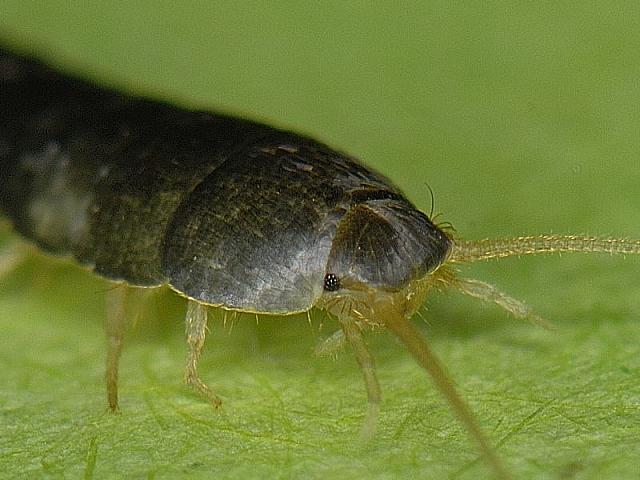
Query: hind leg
x,y
12,253
115,326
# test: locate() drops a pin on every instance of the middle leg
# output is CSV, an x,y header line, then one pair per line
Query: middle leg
x,y
196,330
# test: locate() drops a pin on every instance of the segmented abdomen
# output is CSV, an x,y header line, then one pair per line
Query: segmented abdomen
x,y
100,175
97,174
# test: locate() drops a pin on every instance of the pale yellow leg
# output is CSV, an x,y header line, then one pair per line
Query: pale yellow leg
x,y
115,327
489,293
12,252
353,335
196,330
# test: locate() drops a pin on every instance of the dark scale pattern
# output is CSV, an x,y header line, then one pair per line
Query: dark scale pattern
x,y
224,210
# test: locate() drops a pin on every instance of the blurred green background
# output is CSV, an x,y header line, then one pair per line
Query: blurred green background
x,y
522,118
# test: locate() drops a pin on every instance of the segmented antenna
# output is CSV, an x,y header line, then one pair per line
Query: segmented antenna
x,y
475,250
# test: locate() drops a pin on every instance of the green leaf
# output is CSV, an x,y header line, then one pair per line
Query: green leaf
x,y
521,120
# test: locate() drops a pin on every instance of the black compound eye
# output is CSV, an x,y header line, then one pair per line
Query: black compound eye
x,y
331,282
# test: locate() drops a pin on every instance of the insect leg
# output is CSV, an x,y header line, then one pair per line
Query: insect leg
x,y
11,254
422,353
196,330
489,293
330,346
353,335
115,326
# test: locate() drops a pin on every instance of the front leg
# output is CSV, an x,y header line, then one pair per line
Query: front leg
x,y
353,334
